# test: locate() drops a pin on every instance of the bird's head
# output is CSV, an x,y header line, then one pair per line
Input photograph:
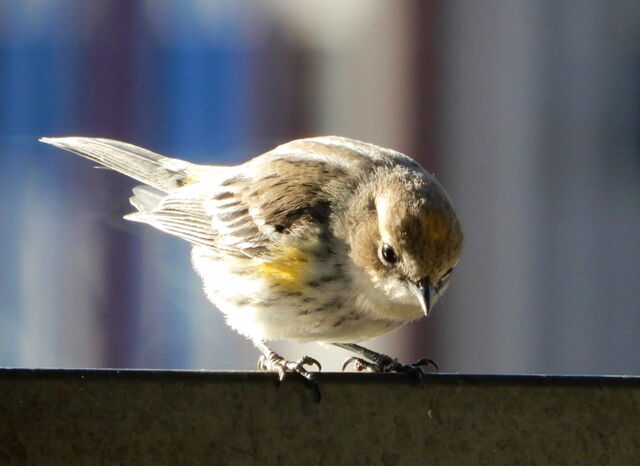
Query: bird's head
x,y
408,239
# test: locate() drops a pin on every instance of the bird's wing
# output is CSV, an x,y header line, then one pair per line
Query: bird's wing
x,y
246,210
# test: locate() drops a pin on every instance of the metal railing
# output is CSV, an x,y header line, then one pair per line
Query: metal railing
x,y
50,416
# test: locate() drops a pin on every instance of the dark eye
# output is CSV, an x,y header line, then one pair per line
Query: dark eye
x,y
388,255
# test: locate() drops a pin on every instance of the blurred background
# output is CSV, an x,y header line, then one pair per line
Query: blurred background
x,y
527,111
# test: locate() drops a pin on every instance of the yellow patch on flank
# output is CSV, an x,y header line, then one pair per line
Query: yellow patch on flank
x,y
288,269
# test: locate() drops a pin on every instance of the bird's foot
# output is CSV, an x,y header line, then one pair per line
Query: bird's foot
x,y
386,364
276,363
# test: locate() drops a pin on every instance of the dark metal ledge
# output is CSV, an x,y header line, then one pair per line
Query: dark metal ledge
x,y
179,417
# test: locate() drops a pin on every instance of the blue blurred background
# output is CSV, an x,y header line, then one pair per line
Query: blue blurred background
x,y
528,112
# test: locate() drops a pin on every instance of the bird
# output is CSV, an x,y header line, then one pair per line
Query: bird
x,y
323,239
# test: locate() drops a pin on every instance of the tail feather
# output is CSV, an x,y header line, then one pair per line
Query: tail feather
x,y
146,198
158,171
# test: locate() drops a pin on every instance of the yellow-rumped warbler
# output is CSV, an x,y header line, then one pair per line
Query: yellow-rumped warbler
x,y
324,239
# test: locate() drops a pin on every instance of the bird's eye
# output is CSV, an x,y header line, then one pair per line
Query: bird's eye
x,y
388,255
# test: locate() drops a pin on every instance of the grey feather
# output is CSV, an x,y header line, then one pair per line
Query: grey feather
x,y
146,198
153,169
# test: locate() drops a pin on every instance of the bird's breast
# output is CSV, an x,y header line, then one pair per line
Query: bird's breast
x,y
295,294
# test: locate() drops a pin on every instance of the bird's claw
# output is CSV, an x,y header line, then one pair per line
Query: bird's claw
x,y
359,364
276,363
425,362
362,365
386,364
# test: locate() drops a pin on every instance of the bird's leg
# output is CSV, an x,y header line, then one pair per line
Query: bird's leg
x,y
378,362
272,361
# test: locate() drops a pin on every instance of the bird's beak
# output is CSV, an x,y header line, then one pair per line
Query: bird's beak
x,y
423,289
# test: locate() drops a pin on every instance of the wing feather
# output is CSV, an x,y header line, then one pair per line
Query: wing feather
x,y
252,208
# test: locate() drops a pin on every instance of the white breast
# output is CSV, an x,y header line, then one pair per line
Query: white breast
x,y
333,311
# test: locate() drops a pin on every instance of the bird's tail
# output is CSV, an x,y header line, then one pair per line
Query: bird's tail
x,y
160,172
